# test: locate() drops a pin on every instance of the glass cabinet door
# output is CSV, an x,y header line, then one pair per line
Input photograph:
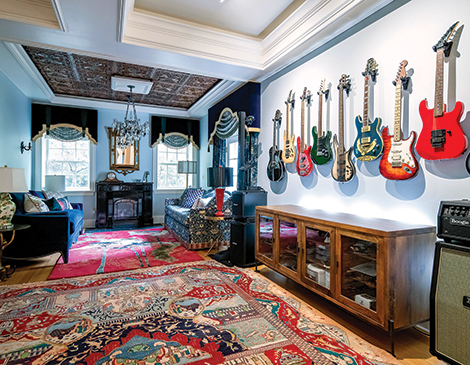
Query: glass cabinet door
x,y
359,272
266,238
288,246
319,257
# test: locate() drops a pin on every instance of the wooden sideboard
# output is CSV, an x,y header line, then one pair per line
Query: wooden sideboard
x,y
377,269
123,203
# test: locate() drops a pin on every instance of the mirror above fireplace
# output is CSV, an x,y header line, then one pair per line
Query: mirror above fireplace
x,y
123,161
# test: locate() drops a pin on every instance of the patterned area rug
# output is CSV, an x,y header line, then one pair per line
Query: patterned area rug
x,y
198,313
110,251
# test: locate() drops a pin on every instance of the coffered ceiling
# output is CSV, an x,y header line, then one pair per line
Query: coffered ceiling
x,y
196,52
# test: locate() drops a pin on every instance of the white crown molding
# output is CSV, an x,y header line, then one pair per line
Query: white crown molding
x,y
303,31
59,14
35,12
217,93
124,8
28,66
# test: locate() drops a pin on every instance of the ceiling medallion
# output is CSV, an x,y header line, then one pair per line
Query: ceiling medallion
x,y
130,130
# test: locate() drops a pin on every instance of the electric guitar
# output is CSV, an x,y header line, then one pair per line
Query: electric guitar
x,y
368,144
276,167
398,160
343,169
442,136
304,162
288,154
321,149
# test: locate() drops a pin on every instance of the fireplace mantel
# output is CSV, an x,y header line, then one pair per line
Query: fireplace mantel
x,y
123,203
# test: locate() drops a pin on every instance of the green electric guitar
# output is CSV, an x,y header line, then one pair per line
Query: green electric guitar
x,y
321,150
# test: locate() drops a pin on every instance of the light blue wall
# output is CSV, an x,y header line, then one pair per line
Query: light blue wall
x,y
15,126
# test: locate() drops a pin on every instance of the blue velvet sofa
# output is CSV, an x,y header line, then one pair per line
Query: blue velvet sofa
x,y
50,232
190,226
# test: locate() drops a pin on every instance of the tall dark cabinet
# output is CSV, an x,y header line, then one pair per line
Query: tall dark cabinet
x,y
123,203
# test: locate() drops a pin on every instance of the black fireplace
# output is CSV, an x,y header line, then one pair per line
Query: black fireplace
x,y
123,203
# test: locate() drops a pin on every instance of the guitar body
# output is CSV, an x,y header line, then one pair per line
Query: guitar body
x,y
343,169
448,136
276,167
304,162
288,153
369,144
398,160
321,152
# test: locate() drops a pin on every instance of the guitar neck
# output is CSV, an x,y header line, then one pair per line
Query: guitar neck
x,y
320,114
341,123
274,136
287,120
365,118
302,113
438,97
397,124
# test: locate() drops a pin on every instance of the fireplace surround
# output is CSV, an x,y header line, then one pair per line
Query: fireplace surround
x,y
123,203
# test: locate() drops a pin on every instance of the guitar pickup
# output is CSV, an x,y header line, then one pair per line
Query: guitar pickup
x,y
438,138
365,140
365,129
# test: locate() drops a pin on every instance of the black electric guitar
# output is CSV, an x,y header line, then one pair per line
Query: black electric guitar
x,y
276,166
343,167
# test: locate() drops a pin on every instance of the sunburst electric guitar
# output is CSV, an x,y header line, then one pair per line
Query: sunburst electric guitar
x,y
442,136
368,145
321,149
276,167
343,169
304,161
288,153
398,160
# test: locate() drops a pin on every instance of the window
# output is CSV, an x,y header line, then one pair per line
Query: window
x,y
167,166
72,159
232,159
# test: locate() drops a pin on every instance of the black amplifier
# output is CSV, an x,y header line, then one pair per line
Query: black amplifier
x,y
453,220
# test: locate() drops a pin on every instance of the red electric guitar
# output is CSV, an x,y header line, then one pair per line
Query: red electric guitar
x,y
304,161
442,136
398,161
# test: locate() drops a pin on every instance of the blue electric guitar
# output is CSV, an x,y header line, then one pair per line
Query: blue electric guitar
x,y
368,144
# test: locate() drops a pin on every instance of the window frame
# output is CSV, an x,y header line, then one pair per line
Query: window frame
x,y
192,179
39,168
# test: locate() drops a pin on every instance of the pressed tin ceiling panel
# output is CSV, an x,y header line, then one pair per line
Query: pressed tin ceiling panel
x,y
76,75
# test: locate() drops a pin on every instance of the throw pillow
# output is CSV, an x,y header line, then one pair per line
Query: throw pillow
x,y
33,204
64,203
53,204
190,196
201,202
57,195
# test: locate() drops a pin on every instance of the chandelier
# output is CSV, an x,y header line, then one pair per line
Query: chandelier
x,y
130,130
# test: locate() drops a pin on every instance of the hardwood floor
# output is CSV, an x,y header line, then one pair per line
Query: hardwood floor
x,y
411,346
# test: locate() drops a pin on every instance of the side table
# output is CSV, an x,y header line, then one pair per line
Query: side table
x,y
218,219
4,270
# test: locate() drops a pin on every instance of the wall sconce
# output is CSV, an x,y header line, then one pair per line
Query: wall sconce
x,y
24,147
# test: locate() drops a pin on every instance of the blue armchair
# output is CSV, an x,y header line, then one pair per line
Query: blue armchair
x,y
50,232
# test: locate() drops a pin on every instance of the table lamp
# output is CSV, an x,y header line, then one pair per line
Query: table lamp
x,y
219,178
187,167
55,182
12,180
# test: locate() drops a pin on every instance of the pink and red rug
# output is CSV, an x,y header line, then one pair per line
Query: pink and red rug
x,y
110,251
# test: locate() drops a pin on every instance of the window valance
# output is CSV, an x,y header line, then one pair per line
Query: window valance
x,y
174,132
226,125
64,123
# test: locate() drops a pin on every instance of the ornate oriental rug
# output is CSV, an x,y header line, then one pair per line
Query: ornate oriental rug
x,y
198,313
109,251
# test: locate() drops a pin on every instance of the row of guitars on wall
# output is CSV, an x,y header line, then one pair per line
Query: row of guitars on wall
x,y
441,137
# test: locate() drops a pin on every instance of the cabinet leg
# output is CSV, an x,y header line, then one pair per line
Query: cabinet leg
x,y
391,335
256,266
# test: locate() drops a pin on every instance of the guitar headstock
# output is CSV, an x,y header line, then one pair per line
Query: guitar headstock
x,y
444,42
371,69
304,94
321,90
277,117
401,74
292,99
289,98
309,98
344,83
